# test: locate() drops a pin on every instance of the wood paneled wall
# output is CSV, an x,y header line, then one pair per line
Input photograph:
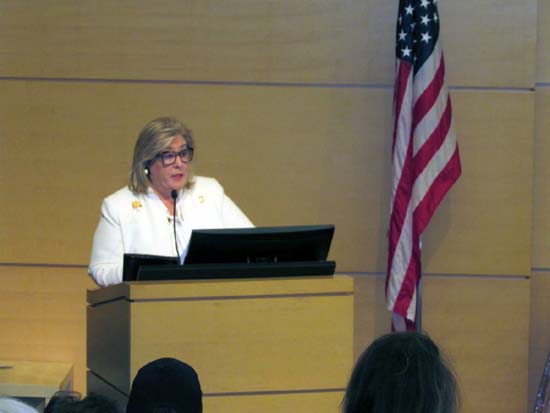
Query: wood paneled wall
x,y
540,302
43,316
540,297
291,106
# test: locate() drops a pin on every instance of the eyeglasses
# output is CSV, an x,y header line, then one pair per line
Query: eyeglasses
x,y
169,158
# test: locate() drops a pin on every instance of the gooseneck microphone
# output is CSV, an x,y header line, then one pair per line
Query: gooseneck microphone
x,y
174,195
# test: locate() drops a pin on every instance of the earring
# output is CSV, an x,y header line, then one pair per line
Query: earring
x,y
146,171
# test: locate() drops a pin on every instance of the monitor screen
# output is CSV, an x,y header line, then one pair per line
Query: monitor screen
x,y
260,245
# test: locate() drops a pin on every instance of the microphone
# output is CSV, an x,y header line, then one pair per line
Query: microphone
x,y
174,195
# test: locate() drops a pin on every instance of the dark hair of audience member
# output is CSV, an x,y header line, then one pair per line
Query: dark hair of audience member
x,y
165,385
164,410
93,403
401,372
61,398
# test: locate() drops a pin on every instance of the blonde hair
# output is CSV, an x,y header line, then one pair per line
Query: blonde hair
x,y
154,138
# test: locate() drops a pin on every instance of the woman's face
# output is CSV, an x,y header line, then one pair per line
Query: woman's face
x,y
164,179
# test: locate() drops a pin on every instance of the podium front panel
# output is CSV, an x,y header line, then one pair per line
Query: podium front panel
x,y
108,342
250,344
279,339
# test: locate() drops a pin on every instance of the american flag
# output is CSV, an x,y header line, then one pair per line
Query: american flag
x,y
425,156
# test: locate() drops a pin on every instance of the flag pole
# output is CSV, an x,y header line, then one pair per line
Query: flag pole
x,y
418,318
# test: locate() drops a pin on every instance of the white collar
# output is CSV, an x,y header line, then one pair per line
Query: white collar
x,y
151,194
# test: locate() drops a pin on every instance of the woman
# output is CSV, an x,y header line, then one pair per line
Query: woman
x,y
401,372
139,218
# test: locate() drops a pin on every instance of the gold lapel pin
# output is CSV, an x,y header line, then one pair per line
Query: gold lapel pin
x,y
201,199
136,204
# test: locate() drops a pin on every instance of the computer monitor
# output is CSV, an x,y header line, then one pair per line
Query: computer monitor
x,y
260,245
251,252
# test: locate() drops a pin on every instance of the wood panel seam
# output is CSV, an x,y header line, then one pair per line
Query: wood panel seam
x,y
449,275
274,392
382,86
42,265
242,297
318,85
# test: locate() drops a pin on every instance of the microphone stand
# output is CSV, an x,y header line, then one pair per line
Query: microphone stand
x,y
174,195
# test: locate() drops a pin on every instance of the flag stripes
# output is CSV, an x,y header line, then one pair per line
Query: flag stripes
x,y
425,159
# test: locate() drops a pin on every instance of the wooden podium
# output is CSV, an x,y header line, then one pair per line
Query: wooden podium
x,y
270,345
34,382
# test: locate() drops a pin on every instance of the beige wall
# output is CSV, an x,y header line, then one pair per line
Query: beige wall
x,y
540,302
291,106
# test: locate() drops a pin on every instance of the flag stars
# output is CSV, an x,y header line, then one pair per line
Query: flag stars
x,y
417,30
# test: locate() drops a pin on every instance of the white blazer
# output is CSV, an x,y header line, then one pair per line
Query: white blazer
x,y
141,224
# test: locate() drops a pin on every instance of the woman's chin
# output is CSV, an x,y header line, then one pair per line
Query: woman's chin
x,y
178,181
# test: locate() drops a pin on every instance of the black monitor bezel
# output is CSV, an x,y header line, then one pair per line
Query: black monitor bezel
x,y
260,244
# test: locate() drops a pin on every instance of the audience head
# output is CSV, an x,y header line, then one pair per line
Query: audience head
x,y
9,405
95,403
60,399
165,385
67,402
401,372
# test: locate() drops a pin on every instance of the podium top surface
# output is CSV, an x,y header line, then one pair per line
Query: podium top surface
x,y
189,289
